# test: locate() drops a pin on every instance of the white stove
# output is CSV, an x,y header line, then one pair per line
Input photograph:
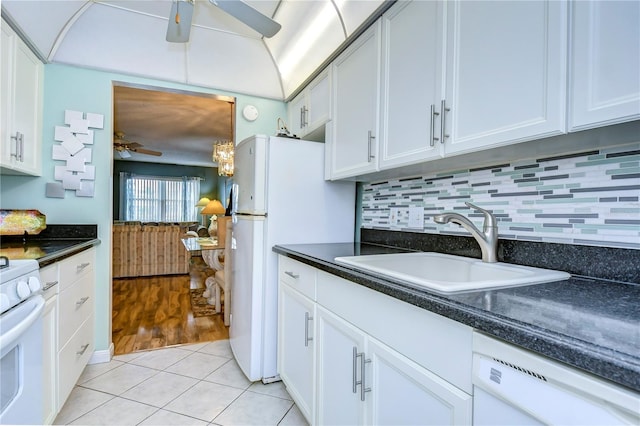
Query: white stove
x,y
21,342
19,280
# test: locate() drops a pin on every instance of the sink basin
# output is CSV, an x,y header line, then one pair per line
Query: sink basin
x,y
448,273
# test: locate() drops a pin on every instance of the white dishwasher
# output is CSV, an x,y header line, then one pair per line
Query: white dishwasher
x,y
512,386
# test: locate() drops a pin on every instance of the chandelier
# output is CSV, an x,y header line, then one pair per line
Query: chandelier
x,y
223,152
223,155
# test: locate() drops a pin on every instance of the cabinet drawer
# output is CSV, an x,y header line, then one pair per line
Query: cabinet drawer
x,y
76,305
75,267
439,344
49,278
298,275
72,359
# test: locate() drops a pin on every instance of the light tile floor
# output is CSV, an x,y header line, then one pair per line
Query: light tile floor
x,y
198,384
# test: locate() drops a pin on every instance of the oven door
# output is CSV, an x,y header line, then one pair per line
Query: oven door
x,y
21,363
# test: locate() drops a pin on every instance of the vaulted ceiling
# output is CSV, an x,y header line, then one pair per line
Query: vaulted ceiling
x,y
128,36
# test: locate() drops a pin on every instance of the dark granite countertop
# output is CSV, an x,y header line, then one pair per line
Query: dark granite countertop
x,y
56,243
591,324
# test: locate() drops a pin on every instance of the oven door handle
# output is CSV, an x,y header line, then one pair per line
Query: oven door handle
x,y
27,314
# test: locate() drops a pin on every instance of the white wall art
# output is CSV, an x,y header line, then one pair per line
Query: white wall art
x,y
76,138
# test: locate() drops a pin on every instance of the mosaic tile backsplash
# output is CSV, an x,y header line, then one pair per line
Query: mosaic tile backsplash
x,y
589,198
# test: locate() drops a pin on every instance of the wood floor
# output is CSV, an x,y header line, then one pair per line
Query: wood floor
x,y
155,312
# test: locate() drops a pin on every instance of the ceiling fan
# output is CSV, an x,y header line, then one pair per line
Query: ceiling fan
x,y
123,147
182,15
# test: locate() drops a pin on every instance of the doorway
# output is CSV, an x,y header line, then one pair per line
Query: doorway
x,y
166,132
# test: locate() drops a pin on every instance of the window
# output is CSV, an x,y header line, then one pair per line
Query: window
x,y
158,198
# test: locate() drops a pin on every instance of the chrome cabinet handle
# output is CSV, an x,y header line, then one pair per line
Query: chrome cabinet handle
x,y
83,349
434,114
443,111
19,138
355,381
292,275
305,115
354,377
301,117
48,285
370,155
363,386
307,339
82,266
82,301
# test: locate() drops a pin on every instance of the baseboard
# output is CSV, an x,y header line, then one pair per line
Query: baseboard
x,y
102,356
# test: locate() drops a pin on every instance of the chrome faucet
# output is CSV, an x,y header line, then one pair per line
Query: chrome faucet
x,y
488,238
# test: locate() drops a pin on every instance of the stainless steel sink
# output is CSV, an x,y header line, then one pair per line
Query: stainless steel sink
x,y
448,273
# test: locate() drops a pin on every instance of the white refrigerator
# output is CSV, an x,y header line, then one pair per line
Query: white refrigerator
x,y
280,197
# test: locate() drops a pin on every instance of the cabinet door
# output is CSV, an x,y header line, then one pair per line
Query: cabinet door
x,y
337,371
605,59
411,83
506,73
296,347
296,111
21,88
6,93
27,107
356,88
319,102
404,393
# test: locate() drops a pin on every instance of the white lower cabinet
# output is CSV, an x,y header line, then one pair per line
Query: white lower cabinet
x,y
49,279
76,306
296,347
340,347
402,392
377,360
296,332
363,381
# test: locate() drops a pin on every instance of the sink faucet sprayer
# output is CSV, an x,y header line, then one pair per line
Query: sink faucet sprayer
x,y
488,238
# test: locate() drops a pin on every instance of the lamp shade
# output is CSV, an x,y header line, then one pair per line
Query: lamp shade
x,y
203,202
213,207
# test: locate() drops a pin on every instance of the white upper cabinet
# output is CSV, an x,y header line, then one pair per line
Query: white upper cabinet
x,y
21,109
411,82
605,63
311,109
506,73
353,139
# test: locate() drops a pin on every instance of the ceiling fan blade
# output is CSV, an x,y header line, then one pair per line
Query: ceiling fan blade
x,y
180,19
146,151
249,16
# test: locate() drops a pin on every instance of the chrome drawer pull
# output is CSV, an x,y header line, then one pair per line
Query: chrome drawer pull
x,y
83,349
48,285
82,301
292,275
82,266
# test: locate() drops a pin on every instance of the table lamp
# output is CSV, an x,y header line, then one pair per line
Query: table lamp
x,y
214,208
202,203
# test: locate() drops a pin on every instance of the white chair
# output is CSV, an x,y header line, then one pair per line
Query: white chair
x,y
223,279
212,259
